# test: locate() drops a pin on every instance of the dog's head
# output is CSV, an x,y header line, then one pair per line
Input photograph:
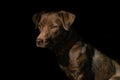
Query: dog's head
x,y
52,26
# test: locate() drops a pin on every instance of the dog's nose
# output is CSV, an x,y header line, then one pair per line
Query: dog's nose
x,y
39,41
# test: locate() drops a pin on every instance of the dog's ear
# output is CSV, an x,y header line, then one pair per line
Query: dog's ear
x,y
67,19
36,17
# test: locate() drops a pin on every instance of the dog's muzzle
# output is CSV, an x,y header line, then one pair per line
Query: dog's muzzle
x,y
42,43
39,42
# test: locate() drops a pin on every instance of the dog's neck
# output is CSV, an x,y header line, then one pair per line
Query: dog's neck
x,y
66,44
63,47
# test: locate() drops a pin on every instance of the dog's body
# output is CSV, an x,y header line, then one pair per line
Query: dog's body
x,y
79,60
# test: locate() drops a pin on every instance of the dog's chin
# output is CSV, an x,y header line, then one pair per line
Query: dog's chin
x,y
45,45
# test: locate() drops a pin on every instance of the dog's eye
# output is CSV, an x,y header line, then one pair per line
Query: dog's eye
x,y
38,25
53,27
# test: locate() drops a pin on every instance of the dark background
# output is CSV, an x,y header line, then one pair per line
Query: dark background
x,y
97,22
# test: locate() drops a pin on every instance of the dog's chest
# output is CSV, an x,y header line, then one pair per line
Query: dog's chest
x,y
73,61
72,57
73,67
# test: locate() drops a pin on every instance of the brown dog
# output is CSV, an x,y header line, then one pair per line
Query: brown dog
x,y
79,60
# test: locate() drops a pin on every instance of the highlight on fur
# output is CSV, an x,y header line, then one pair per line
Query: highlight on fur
x,y
79,60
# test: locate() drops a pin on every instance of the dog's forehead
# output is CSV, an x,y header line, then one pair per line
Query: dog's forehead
x,y
49,16
49,19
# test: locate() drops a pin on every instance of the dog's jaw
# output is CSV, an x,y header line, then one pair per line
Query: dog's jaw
x,y
45,45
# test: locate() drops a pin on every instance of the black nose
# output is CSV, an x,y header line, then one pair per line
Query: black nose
x,y
39,41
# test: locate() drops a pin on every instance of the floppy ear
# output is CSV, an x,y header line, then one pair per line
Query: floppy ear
x,y
67,19
36,18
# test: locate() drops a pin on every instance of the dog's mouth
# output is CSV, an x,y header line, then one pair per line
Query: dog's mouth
x,y
45,44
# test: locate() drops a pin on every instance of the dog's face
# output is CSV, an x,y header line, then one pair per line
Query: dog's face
x,y
52,26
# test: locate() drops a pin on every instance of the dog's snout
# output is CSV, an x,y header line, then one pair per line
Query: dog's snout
x,y
39,41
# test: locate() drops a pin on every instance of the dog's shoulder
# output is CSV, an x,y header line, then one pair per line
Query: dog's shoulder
x,y
77,54
77,49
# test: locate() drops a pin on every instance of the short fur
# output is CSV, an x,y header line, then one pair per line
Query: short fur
x,y
79,60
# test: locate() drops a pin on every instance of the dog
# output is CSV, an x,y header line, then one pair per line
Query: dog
x,y
79,60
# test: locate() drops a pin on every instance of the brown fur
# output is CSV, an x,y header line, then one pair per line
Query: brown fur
x,y
79,60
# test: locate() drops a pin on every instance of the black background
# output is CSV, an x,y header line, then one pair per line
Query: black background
x,y
96,22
